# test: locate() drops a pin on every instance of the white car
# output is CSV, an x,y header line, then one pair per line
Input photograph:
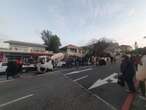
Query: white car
x,y
44,64
3,67
45,67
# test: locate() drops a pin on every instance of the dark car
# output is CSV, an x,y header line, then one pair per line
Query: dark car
x,y
102,62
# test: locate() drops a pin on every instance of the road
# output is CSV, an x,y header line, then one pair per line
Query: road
x,y
86,88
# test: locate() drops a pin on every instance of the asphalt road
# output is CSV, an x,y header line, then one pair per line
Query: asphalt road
x,y
86,88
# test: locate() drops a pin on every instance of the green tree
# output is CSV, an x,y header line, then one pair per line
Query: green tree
x,y
139,51
51,41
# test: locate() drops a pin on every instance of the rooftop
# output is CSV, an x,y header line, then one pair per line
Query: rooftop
x,y
25,43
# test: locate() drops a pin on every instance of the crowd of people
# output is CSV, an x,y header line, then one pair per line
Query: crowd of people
x,y
133,68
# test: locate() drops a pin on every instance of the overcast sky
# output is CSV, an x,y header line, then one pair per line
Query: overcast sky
x,y
75,21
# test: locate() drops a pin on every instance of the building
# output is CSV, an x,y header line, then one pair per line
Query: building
x,y
72,50
126,48
26,47
18,49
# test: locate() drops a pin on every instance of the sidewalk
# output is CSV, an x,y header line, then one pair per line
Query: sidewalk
x,y
3,77
139,103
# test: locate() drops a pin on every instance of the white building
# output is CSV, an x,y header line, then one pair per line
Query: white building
x,y
17,49
72,50
26,47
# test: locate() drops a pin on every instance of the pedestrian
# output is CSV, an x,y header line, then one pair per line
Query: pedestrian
x,y
128,72
111,59
141,75
11,69
114,60
136,60
19,65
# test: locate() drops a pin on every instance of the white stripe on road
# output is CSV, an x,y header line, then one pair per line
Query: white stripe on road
x,y
16,100
74,72
86,67
81,78
6,81
105,102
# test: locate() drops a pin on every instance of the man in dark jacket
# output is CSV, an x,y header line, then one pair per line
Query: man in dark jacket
x,y
128,71
11,69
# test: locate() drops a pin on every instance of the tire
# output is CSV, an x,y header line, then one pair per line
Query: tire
x,y
24,70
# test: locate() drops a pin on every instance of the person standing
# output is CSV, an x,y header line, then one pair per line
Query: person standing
x,y
128,71
111,59
19,65
11,69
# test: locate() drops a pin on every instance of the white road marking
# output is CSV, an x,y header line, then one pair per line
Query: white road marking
x,y
98,97
86,67
101,82
6,81
74,72
16,100
105,102
81,78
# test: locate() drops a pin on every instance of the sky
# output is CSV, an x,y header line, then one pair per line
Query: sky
x,y
74,21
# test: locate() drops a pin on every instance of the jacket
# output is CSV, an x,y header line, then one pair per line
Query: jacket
x,y
127,69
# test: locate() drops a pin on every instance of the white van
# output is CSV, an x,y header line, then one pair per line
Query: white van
x,y
44,64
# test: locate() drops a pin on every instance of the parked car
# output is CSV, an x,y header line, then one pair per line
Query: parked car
x,y
3,67
102,62
44,64
28,67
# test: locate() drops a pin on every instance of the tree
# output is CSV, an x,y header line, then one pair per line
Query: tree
x,y
140,51
97,47
51,41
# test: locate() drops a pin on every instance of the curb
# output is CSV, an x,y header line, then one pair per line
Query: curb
x,y
129,100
